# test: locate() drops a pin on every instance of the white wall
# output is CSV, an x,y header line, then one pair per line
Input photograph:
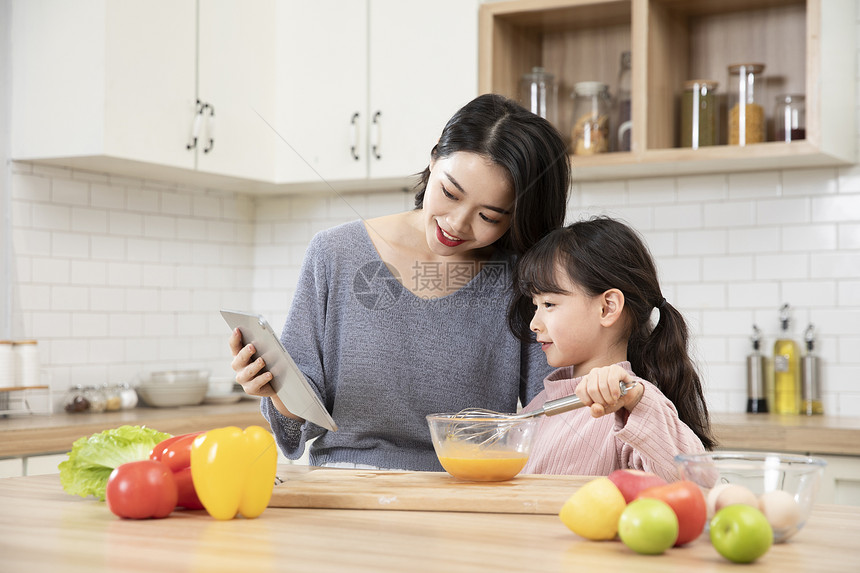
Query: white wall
x,y
114,275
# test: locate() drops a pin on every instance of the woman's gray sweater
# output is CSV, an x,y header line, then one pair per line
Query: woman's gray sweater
x,y
382,358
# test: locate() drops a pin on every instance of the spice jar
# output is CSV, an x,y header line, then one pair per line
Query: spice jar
x,y
700,114
746,114
75,401
113,400
96,398
590,132
539,94
128,397
789,117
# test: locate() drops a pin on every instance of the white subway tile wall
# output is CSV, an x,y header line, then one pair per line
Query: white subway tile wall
x,y
115,276
118,276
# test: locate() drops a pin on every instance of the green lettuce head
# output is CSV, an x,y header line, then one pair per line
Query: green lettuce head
x,y
92,459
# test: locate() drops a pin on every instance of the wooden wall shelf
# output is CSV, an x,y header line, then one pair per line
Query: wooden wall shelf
x,y
807,46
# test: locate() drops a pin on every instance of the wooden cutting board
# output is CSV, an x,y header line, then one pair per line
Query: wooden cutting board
x,y
420,491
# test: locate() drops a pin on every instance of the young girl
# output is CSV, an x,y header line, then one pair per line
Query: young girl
x,y
587,292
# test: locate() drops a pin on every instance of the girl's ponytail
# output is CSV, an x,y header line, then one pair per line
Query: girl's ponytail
x,y
662,357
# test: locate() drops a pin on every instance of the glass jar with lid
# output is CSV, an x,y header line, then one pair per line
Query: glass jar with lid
x,y
539,94
589,134
789,117
745,103
96,398
128,396
75,401
113,400
700,108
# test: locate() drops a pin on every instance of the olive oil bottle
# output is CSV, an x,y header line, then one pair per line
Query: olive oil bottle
x,y
786,368
810,377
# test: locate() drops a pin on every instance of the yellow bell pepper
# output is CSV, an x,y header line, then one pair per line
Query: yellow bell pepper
x,y
234,470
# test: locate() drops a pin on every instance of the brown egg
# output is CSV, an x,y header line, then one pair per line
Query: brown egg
x,y
780,509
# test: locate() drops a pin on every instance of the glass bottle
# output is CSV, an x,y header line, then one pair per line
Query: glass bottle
x,y
789,118
623,96
810,377
539,94
590,132
786,368
700,109
746,114
756,391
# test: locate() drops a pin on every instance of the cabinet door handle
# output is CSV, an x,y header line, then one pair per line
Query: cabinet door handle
x,y
210,128
195,125
376,134
353,131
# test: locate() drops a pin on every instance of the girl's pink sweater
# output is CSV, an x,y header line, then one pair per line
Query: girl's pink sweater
x,y
648,438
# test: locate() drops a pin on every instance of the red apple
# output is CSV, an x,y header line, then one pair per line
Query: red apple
x,y
688,502
631,482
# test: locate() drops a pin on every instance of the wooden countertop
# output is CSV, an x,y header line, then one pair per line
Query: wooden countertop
x,y
783,433
44,529
31,435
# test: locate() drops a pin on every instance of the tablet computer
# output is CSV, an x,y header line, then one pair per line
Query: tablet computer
x,y
287,380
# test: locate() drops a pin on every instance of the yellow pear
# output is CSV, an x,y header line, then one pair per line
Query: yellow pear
x,y
593,510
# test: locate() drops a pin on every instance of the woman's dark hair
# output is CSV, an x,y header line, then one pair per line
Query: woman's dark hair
x,y
601,254
530,150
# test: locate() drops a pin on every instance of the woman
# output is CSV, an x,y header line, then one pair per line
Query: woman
x,y
401,316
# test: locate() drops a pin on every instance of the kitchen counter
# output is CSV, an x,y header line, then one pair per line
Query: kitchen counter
x,y
33,435
787,433
44,529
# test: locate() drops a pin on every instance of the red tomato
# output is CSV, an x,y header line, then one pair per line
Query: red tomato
x,y
140,490
688,503
175,452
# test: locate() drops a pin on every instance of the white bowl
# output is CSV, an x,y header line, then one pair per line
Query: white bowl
x,y
175,378
173,388
168,397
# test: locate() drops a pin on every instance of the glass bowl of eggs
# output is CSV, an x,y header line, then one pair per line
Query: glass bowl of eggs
x,y
782,486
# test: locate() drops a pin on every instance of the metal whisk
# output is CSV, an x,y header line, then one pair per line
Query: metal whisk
x,y
486,430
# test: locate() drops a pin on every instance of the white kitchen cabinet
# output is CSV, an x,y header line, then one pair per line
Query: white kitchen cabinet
x,y
841,481
96,82
236,77
113,85
365,88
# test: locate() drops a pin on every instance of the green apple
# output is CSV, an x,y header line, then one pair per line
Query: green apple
x,y
648,526
741,533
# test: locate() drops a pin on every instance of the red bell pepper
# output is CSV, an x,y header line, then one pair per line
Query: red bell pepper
x,y
175,453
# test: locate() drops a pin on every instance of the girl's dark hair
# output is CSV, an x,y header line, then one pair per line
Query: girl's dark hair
x,y
530,150
601,254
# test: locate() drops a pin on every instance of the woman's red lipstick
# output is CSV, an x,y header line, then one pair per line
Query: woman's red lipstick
x,y
440,236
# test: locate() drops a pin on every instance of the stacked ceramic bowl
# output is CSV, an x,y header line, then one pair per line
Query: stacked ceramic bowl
x,y
173,388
